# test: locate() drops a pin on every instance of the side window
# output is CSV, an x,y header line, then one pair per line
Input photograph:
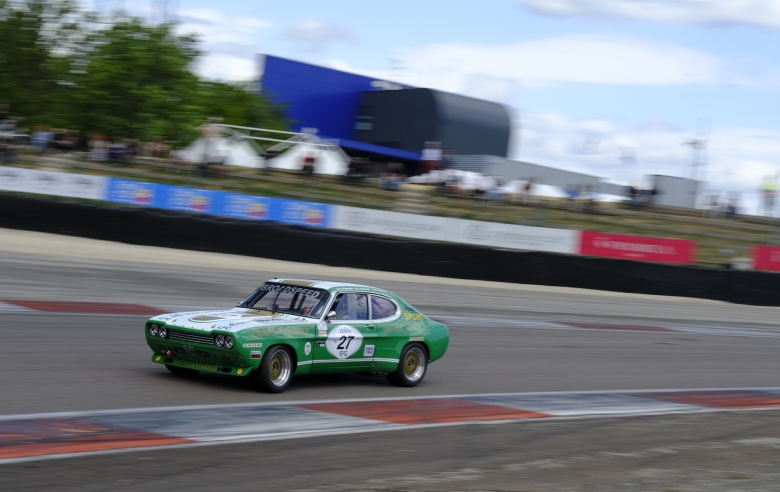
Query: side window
x,y
381,308
351,306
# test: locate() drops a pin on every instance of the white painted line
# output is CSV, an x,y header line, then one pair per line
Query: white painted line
x,y
14,309
593,404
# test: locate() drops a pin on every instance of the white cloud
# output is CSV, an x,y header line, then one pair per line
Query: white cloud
x,y
499,72
737,158
230,44
314,35
764,13
573,58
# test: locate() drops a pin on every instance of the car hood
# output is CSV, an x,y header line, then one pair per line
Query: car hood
x,y
229,320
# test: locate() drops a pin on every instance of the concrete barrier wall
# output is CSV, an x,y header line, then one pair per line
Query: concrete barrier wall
x,y
295,243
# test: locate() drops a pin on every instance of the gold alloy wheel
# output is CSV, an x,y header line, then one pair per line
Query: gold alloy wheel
x,y
414,364
279,367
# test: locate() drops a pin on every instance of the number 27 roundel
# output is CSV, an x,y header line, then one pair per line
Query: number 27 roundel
x,y
343,341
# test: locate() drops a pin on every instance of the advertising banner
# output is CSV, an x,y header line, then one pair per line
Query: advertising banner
x,y
512,236
53,183
131,192
766,258
242,206
295,212
638,248
183,199
389,223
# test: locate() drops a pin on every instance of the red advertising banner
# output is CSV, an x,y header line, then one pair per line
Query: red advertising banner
x,y
637,247
766,258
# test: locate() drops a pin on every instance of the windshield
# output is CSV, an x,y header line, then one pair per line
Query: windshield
x,y
288,299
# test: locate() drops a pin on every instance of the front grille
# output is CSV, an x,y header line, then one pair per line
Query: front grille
x,y
190,337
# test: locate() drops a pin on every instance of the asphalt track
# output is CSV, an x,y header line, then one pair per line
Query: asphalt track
x,y
54,362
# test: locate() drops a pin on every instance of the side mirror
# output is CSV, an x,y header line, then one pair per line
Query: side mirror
x,y
330,316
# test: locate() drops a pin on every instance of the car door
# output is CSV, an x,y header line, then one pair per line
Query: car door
x,y
346,341
391,333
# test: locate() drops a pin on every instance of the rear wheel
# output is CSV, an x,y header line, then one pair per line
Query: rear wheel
x,y
181,371
275,371
412,366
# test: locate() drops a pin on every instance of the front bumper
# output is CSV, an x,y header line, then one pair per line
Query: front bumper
x,y
201,366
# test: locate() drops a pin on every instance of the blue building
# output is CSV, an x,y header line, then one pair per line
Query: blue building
x,y
379,118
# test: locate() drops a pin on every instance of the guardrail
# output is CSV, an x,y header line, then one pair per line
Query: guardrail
x,y
347,218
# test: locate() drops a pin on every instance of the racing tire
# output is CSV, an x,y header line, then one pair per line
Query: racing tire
x,y
411,367
275,371
182,371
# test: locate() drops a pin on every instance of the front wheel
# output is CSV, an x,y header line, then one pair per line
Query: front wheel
x,y
275,371
181,371
411,367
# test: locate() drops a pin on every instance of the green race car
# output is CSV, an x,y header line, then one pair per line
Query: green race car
x,y
289,327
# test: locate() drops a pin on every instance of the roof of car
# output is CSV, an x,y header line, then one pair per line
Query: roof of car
x,y
319,284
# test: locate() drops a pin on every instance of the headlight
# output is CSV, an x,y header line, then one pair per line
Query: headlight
x,y
219,340
153,330
229,342
163,332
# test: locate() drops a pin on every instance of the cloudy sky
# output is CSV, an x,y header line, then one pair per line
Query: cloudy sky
x,y
609,87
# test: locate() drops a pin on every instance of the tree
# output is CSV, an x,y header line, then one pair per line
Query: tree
x,y
122,77
136,82
33,37
239,104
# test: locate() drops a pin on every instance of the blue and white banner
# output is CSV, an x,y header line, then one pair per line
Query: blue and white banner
x,y
301,213
184,199
242,206
220,203
131,192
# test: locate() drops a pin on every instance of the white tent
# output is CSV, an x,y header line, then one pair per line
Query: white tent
x,y
225,150
517,186
329,158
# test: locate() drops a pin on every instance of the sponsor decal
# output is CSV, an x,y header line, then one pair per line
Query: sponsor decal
x,y
253,345
766,258
131,192
368,351
343,341
414,316
637,247
416,339
291,289
243,206
256,354
307,348
321,343
322,329
188,199
477,232
302,213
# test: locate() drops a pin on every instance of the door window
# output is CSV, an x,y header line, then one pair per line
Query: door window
x,y
351,307
382,307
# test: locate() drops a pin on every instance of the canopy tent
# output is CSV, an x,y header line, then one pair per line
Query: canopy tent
x,y
225,151
328,158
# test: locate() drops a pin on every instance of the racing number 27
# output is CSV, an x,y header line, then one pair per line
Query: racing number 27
x,y
344,339
343,346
